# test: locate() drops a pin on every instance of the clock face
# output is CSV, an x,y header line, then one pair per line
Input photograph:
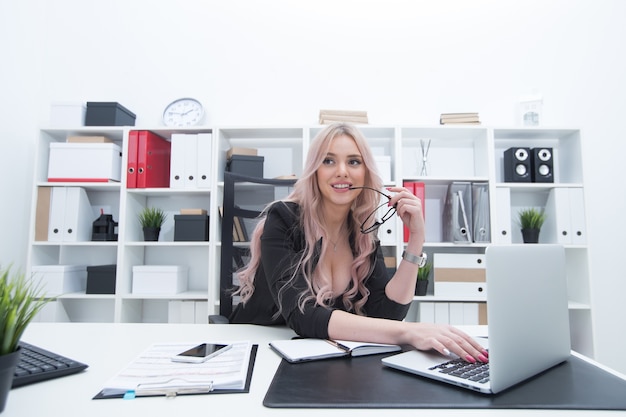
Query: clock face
x,y
183,112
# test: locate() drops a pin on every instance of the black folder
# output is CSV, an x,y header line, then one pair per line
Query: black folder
x,y
363,382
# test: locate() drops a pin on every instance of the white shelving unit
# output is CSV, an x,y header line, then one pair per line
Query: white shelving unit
x,y
455,153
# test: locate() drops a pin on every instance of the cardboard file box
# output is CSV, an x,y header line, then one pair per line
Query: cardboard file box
x,y
459,275
60,279
159,279
101,279
236,150
249,165
84,162
108,114
190,227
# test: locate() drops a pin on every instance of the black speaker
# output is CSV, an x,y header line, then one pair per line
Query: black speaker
x,y
517,165
542,165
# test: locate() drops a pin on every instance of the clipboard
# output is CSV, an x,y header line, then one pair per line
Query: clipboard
x,y
196,389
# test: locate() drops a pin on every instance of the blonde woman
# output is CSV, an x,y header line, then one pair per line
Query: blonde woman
x,y
316,263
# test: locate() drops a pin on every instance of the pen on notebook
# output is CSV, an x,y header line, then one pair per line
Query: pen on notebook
x,y
338,345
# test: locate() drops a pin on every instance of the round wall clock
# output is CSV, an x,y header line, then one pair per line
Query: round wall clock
x,y
183,112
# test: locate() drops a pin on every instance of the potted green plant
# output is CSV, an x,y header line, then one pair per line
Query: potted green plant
x,y
422,278
20,301
151,220
530,221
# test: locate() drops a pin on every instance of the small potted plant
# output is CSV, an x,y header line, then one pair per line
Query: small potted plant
x,y
20,301
422,279
151,220
530,221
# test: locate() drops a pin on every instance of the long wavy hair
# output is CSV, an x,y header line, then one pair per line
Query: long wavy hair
x,y
307,195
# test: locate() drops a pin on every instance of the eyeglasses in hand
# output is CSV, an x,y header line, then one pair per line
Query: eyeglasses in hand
x,y
375,224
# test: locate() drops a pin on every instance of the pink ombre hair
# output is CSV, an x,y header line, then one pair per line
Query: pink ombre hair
x,y
307,195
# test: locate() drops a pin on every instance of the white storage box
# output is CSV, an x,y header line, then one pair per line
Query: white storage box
x,y
383,162
60,279
53,312
159,279
67,114
459,275
85,162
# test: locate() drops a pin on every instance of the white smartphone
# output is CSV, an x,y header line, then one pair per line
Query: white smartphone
x,y
201,353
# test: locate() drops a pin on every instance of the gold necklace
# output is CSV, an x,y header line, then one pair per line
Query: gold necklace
x,y
342,232
334,244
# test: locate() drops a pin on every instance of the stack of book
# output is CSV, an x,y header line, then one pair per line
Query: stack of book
x,y
350,116
240,229
242,226
459,118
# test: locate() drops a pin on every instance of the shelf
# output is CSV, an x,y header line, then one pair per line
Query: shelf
x,y
172,244
187,295
168,192
83,296
89,186
536,186
60,134
434,298
465,153
88,243
578,306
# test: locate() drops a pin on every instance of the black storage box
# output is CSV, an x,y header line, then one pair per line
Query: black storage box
x,y
101,279
191,227
249,165
108,114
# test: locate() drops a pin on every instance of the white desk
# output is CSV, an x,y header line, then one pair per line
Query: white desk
x,y
107,348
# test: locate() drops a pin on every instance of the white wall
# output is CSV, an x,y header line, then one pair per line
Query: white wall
x,y
278,62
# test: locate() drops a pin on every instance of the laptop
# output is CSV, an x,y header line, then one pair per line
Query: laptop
x,y
528,320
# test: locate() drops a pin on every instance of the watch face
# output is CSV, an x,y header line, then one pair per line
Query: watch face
x,y
183,112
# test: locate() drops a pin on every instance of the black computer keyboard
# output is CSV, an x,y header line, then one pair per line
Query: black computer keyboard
x,y
477,371
37,364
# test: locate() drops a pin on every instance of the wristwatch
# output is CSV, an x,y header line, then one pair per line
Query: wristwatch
x,y
414,259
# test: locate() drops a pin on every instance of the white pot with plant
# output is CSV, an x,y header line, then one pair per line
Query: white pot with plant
x,y
422,279
530,221
151,220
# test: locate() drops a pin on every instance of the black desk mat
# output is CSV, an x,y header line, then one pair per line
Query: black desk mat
x,y
363,382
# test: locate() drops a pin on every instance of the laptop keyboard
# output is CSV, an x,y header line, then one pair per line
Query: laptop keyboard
x,y
478,372
37,364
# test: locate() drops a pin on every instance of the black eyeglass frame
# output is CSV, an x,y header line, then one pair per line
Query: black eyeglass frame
x,y
383,219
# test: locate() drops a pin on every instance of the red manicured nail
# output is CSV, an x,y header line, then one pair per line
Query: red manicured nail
x,y
470,359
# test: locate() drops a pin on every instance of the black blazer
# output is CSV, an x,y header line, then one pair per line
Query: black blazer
x,y
282,244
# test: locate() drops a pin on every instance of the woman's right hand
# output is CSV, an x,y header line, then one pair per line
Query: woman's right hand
x,y
446,339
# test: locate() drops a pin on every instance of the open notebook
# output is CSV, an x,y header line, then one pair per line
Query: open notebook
x,y
311,349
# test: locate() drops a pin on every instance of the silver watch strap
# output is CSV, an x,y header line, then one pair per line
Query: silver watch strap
x,y
414,259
